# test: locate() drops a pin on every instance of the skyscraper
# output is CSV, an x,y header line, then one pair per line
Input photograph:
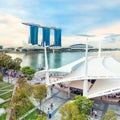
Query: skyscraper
x,y
46,36
33,38
34,35
57,37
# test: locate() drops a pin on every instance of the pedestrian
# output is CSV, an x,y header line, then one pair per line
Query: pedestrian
x,y
95,112
92,111
49,114
51,106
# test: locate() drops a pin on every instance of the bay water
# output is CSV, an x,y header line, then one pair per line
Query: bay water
x,y
57,59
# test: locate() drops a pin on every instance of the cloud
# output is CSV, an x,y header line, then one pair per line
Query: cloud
x,y
114,28
110,34
12,32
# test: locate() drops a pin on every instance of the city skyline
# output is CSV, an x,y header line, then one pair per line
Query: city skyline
x,y
73,17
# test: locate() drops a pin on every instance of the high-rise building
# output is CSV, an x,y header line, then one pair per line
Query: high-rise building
x,y
33,38
34,35
57,37
46,36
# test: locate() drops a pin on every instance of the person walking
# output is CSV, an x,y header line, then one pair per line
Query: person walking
x,y
51,106
49,114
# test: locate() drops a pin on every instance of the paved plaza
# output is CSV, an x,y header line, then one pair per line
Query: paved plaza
x,y
59,98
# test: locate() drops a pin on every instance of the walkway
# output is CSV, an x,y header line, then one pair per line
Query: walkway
x,y
101,108
58,99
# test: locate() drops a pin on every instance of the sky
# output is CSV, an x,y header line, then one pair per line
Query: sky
x,y
78,19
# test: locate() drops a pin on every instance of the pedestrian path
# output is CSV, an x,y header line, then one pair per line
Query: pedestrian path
x,y
58,99
102,108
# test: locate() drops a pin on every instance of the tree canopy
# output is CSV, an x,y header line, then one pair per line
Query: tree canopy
x,y
109,115
69,111
7,62
20,99
79,109
27,71
22,83
40,92
42,117
84,105
21,103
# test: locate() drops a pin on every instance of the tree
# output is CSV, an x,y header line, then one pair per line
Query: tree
x,y
69,111
22,83
17,62
20,99
20,103
28,71
6,62
40,92
41,117
109,115
84,105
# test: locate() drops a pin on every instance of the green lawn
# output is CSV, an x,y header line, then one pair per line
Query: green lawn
x,y
33,115
3,84
8,88
5,103
24,110
2,91
3,116
6,96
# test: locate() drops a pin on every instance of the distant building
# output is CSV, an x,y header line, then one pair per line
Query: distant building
x,y
80,46
1,47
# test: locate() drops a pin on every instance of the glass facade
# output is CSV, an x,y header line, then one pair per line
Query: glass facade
x,y
33,35
57,37
46,36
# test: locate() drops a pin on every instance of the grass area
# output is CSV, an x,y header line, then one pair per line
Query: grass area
x,y
6,96
3,84
8,88
34,115
23,110
3,116
3,91
5,104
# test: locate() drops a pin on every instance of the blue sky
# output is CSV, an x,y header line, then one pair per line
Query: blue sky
x,y
74,17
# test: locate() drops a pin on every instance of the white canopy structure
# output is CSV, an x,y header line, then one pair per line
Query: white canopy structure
x,y
104,87
97,69
105,70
